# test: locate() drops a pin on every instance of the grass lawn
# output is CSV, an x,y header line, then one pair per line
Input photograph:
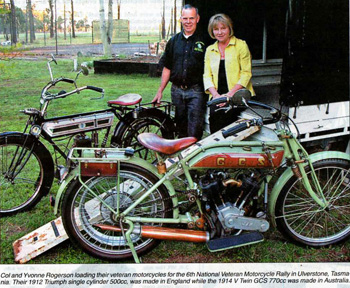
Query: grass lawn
x,y
20,86
43,40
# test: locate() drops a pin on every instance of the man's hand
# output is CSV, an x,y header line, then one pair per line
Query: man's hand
x,y
158,97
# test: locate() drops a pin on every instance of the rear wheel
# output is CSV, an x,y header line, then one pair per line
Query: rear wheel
x,y
302,220
82,212
26,173
128,135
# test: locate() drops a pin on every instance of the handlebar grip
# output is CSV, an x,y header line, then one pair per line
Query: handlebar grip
x,y
218,101
71,81
97,89
236,129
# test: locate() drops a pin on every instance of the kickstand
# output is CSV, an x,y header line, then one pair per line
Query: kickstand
x,y
128,239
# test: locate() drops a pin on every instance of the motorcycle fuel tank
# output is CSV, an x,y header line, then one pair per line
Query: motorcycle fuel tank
x,y
240,160
84,123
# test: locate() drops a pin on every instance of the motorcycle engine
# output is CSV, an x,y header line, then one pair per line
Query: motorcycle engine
x,y
231,200
81,140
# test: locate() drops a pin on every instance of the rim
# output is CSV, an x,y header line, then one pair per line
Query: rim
x,y
21,188
87,211
150,126
309,222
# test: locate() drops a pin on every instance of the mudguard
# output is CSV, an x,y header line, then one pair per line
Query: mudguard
x,y
132,160
287,174
152,113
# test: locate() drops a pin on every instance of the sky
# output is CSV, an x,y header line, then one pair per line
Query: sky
x,y
144,15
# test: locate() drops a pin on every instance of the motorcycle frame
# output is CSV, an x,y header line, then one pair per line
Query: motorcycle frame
x,y
294,154
125,115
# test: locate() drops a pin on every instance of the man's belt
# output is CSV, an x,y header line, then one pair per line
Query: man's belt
x,y
186,87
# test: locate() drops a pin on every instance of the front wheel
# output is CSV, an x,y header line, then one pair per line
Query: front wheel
x,y
82,212
299,217
27,173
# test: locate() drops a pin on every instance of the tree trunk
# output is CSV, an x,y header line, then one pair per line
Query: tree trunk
x,y
27,20
51,19
175,20
119,2
31,22
6,21
171,22
163,21
64,22
13,23
73,28
106,46
110,25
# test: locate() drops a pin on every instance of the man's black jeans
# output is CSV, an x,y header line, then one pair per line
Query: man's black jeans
x,y
190,107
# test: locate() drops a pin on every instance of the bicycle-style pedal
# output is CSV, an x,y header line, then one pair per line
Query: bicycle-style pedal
x,y
234,241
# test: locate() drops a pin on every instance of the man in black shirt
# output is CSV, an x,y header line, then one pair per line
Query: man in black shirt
x,y
183,61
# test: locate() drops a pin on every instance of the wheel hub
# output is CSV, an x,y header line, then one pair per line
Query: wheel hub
x,y
111,200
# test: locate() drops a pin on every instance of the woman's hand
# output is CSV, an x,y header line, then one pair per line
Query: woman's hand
x,y
234,90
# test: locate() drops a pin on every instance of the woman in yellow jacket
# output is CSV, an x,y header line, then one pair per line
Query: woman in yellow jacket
x,y
228,68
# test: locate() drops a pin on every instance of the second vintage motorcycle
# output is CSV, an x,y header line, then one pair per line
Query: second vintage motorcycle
x,y
28,167
225,190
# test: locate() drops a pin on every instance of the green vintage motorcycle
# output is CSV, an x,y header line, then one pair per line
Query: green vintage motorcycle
x,y
224,190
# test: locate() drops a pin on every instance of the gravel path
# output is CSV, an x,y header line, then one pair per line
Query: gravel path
x,y
91,49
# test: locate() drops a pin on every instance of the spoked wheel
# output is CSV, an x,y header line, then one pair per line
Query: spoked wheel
x,y
302,220
143,125
26,173
83,212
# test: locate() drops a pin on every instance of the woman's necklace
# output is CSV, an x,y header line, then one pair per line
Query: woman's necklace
x,y
222,50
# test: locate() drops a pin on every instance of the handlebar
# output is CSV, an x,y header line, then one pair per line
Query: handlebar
x,y
71,81
97,89
242,99
46,96
241,127
217,101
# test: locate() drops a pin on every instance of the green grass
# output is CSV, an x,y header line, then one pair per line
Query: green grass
x,y
43,40
21,83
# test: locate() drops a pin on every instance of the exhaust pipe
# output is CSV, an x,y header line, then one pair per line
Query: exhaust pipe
x,y
164,233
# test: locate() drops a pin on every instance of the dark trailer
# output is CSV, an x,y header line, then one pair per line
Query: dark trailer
x,y
300,51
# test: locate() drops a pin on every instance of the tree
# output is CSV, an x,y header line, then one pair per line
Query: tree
x,y
72,18
106,35
80,24
110,23
119,2
51,19
64,22
13,23
60,21
31,21
175,20
163,21
86,24
5,12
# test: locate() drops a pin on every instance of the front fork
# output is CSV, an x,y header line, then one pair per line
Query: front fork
x,y
298,167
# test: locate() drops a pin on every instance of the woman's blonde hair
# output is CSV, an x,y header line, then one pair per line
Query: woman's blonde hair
x,y
219,18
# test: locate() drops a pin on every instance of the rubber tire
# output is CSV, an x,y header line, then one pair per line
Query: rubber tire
x,y
47,170
78,240
286,230
128,138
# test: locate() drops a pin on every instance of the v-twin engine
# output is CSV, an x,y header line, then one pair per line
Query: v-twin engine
x,y
232,217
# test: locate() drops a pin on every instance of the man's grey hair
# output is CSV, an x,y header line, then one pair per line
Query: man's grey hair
x,y
189,6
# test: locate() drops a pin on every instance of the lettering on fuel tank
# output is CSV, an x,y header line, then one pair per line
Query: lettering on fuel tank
x,y
237,160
